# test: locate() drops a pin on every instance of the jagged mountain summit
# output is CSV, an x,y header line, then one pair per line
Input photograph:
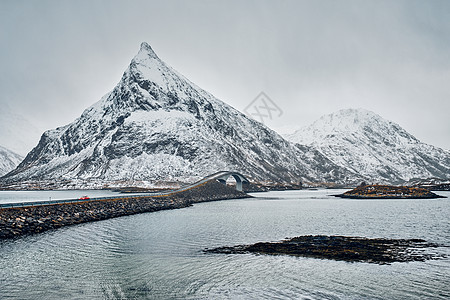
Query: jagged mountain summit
x,y
157,125
9,160
369,145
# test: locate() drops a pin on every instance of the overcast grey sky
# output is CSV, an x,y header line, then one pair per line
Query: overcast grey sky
x,y
311,57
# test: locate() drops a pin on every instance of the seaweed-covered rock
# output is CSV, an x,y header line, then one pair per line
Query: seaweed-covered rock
x,y
352,249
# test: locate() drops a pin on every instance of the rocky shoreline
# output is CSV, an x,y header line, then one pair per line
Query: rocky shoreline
x,y
388,192
20,221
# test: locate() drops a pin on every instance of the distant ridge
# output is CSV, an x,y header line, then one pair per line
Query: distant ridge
x,y
367,144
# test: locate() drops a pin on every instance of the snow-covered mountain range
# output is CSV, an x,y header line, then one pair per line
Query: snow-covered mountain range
x,y
367,144
157,125
8,160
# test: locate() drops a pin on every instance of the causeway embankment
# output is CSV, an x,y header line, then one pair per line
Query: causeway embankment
x,y
18,221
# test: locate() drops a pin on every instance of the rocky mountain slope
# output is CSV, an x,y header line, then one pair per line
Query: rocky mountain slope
x,y
157,125
8,160
369,145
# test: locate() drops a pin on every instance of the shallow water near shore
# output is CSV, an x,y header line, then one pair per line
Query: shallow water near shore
x,y
159,255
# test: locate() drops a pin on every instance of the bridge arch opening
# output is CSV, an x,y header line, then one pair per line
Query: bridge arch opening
x,y
233,178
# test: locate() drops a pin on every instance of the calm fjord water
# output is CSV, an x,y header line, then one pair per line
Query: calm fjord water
x,y
159,255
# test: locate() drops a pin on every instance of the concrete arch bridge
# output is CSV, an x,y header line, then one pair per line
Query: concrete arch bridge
x,y
223,176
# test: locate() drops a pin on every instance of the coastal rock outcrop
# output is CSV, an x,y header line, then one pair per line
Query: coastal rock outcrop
x,y
388,192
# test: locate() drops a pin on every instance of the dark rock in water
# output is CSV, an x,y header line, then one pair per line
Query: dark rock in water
x,y
388,192
352,249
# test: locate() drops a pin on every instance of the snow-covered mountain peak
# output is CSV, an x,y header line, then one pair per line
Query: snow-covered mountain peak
x,y
157,125
358,123
348,120
147,58
146,49
149,84
365,143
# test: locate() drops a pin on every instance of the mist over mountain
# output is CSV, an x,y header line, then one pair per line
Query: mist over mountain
x,y
378,149
157,125
9,160
16,132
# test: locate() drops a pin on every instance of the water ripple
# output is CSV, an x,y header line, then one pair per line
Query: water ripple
x,y
159,255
